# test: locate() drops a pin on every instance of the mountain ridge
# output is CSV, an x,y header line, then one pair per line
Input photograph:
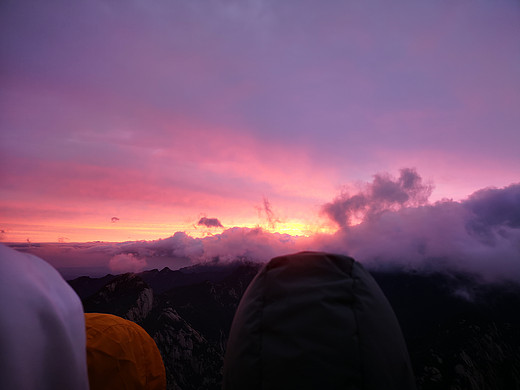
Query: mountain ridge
x,y
460,332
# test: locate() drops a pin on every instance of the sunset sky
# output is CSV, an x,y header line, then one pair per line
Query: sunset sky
x,y
133,120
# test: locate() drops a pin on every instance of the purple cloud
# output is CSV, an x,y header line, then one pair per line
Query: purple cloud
x,y
210,222
479,235
383,194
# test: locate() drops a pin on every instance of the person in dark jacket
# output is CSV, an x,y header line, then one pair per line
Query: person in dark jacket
x,y
315,321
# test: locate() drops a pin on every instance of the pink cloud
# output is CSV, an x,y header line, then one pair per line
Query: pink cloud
x,y
478,236
173,109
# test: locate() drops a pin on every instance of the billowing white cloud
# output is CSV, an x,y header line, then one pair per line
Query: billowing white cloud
x,y
397,228
480,234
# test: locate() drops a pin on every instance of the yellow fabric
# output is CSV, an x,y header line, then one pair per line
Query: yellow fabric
x,y
121,355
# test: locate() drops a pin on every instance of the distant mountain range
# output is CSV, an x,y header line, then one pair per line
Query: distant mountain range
x,y
461,333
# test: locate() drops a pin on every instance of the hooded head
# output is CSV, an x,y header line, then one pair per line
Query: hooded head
x,y
42,329
315,321
121,355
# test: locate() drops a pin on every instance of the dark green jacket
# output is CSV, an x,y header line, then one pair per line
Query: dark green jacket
x,y
315,321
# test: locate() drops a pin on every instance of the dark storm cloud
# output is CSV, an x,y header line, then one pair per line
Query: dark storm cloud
x,y
210,222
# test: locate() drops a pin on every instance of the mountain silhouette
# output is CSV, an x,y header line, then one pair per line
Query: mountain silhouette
x,y
461,333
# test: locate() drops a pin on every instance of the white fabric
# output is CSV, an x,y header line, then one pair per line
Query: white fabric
x,y
42,327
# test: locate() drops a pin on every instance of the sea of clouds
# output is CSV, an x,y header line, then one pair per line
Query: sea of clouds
x,y
387,223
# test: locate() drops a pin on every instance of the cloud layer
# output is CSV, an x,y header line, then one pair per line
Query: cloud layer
x,y
126,262
444,236
396,227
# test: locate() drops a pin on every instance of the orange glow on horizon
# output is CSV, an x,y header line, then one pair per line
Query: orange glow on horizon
x,y
299,228
121,232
